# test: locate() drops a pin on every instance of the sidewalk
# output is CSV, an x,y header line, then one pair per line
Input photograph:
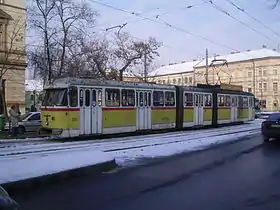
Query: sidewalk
x,y
16,173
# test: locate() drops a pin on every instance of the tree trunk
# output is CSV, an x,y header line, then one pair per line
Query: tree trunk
x,y
121,76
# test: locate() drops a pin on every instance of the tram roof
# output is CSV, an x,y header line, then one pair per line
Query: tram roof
x,y
70,81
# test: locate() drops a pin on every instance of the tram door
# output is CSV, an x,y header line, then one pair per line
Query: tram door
x,y
143,105
234,105
91,111
198,109
251,108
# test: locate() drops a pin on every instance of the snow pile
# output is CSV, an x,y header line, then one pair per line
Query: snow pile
x,y
28,167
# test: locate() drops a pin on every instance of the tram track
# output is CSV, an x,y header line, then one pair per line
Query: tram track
x,y
111,146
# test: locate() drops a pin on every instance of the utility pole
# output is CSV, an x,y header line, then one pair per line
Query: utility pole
x,y
254,77
207,67
145,63
45,40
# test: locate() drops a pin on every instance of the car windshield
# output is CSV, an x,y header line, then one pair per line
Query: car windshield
x,y
25,116
275,116
55,97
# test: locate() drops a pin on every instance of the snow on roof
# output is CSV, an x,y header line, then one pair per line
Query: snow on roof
x,y
175,68
243,56
31,85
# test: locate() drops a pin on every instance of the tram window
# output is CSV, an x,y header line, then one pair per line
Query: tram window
x,y
208,100
145,99
221,100
245,101
251,102
158,98
188,99
228,101
93,99
87,98
73,96
112,97
99,97
81,98
169,98
141,99
196,98
233,100
128,97
240,101
149,99
55,97
137,99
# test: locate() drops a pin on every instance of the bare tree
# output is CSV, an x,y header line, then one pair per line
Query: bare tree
x,y
41,13
277,3
73,18
128,52
57,21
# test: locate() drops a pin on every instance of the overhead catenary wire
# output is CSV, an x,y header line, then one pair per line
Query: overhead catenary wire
x,y
160,21
251,16
237,20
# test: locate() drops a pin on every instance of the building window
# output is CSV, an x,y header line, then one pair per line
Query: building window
x,y
260,86
179,81
186,80
190,80
249,74
260,72
275,86
174,81
250,90
264,87
275,71
163,81
1,35
264,73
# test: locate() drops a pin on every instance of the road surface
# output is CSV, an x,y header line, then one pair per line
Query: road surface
x,y
203,180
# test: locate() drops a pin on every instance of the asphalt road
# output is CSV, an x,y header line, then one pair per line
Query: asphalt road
x,y
203,180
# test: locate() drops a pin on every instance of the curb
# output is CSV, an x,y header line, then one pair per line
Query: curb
x,y
31,184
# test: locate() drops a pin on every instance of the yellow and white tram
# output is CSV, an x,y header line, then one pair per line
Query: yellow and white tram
x,y
77,107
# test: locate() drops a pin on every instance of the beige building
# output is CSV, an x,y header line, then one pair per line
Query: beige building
x,y
12,51
176,74
258,71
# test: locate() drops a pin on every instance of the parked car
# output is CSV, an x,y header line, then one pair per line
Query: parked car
x,y
6,202
271,127
29,122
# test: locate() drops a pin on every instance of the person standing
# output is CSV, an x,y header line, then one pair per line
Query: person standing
x,y
14,117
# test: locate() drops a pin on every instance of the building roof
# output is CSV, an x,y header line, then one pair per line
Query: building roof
x,y
31,85
175,68
244,56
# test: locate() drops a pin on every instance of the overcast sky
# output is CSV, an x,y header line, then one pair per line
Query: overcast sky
x,y
202,19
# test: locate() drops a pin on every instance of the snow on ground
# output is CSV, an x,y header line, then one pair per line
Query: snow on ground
x,y
24,168
130,157
21,162
126,142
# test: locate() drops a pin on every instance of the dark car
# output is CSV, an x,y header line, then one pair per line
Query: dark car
x,y
271,127
6,202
